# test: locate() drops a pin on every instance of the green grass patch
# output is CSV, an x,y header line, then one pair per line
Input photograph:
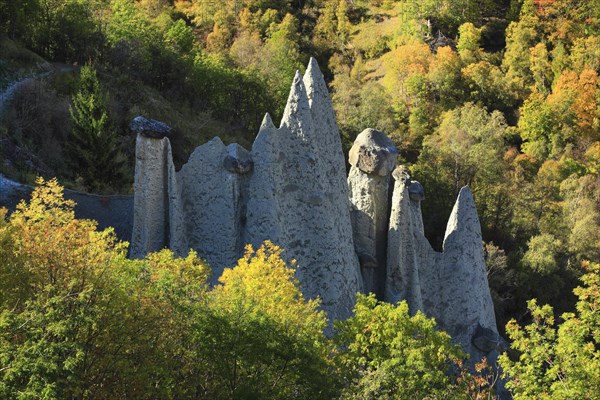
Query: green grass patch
x,y
16,62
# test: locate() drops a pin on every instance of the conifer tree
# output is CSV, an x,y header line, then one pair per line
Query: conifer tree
x,y
93,150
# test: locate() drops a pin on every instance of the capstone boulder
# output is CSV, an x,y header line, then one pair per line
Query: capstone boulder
x,y
150,128
373,153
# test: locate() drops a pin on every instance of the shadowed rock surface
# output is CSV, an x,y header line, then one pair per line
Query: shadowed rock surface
x,y
157,201
416,191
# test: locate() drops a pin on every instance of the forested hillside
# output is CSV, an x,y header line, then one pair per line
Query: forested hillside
x,y
501,95
79,320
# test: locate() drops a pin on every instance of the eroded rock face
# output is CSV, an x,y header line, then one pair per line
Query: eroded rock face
x,y
157,208
212,199
291,189
298,198
450,286
263,215
487,340
410,258
332,165
372,159
370,212
325,133
468,303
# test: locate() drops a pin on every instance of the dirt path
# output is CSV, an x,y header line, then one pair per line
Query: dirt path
x,y
7,94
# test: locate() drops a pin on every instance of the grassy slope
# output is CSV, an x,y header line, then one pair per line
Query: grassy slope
x,y
128,99
16,62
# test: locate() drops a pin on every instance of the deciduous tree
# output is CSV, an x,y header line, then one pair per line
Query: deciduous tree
x,y
558,362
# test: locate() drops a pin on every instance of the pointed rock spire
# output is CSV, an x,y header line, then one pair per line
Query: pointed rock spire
x,y
411,261
299,203
463,220
465,290
316,88
266,135
297,116
267,122
402,281
326,129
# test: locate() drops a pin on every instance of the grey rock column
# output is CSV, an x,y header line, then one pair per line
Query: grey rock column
x,y
263,212
410,255
467,308
297,198
372,159
157,212
333,224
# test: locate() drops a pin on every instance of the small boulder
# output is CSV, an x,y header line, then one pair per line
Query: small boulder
x,y
373,153
416,191
150,128
401,174
238,160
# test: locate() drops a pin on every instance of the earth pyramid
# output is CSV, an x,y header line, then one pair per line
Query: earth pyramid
x,y
290,189
361,233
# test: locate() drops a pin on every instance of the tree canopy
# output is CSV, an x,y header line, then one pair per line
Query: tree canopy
x,y
78,319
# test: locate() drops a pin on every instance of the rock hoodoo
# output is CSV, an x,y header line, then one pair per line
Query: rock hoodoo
x,y
408,251
363,232
450,286
157,207
212,185
372,159
298,201
290,189
465,303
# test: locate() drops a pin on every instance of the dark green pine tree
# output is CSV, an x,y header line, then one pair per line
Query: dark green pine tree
x,y
93,149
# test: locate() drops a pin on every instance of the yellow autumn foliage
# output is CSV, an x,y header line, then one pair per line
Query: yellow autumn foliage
x,y
262,282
